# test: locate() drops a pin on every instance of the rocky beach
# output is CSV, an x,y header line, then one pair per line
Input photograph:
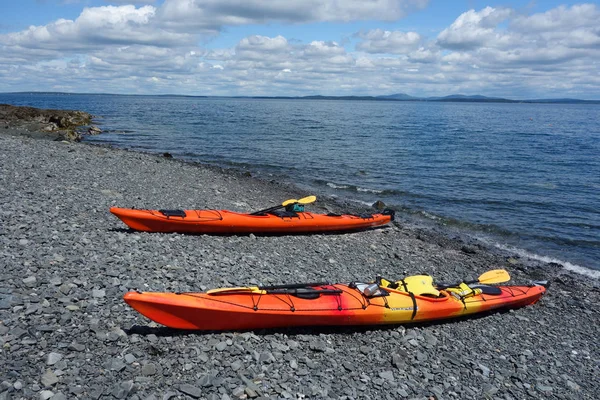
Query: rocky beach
x,y
66,262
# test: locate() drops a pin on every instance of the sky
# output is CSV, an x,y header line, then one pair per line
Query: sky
x,y
504,48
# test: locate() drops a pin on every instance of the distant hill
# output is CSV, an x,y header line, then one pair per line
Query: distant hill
x,y
451,98
562,101
398,96
475,98
390,97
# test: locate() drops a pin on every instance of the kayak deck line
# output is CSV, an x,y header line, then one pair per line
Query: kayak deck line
x,y
227,222
336,304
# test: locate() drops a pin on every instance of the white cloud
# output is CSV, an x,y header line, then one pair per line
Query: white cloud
x,y
396,42
474,29
559,19
96,28
323,49
212,15
122,49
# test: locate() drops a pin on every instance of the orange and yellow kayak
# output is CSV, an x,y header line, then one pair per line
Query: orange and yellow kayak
x,y
229,222
320,304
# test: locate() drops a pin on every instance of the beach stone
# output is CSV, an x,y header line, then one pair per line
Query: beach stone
x,y
190,390
489,390
485,371
56,281
527,353
53,358
49,379
544,388
318,345
149,369
30,281
46,394
77,347
59,396
123,389
387,375
221,346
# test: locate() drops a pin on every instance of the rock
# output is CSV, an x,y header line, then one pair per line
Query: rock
x,y
59,396
387,375
53,358
221,346
190,390
149,369
94,130
527,353
544,388
379,205
30,281
46,394
468,249
49,379
123,389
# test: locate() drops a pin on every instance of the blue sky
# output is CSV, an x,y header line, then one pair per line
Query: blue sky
x,y
515,49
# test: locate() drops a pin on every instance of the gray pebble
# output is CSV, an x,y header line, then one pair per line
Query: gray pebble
x,y
190,390
53,358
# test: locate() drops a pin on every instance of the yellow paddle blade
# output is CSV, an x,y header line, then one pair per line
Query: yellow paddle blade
x,y
304,200
307,200
243,289
494,276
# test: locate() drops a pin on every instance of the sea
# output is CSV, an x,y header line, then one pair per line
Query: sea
x,y
521,177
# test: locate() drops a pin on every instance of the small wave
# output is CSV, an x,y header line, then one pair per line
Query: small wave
x,y
566,265
335,186
352,187
375,191
430,216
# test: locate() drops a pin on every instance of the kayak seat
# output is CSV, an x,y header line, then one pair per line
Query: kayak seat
x,y
485,289
284,214
173,213
420,285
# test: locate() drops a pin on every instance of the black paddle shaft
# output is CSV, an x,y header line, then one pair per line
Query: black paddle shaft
x,y
450,285
293,285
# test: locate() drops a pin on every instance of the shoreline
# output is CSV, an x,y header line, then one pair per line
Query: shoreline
x,y
330,202
67,262
30,126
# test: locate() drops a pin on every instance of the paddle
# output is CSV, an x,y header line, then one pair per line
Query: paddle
x,y
279,289
304,200
487,278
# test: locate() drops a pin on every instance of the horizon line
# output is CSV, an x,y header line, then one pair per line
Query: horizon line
x,y
391,97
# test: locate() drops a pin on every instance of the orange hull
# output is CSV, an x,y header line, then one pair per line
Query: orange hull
x,y
229,222
239,310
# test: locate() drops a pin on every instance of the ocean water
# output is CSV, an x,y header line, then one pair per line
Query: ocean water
x,y
524,177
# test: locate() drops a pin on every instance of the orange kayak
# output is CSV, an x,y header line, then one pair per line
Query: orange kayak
x,y
320,304
229,222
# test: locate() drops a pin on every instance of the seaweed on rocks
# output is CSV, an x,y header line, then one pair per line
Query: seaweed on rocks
x,y
67,125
